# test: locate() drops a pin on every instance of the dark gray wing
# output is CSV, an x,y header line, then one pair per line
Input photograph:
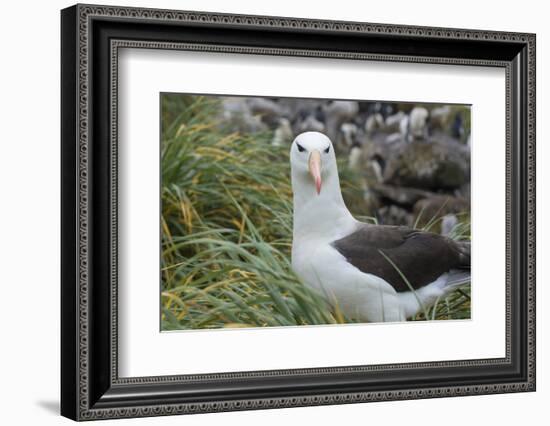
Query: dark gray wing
x,y
421,256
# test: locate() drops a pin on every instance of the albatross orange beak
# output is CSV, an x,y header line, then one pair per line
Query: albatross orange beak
x,y
314,164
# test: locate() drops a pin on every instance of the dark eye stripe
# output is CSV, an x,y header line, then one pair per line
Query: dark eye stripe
x,y
300,147
328,149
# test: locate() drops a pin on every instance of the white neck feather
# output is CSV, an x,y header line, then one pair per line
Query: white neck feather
x,y
323,215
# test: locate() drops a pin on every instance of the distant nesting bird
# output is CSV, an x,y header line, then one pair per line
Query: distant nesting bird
x,y
448,223
439,117
283,133
348,132
337,113
358,266
374,122
355,157
393,122
418,118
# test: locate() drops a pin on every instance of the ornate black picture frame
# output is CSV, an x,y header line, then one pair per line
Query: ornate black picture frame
x,y
91,36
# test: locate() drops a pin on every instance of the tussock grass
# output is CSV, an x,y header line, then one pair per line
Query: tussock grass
x,y
227,227
457,305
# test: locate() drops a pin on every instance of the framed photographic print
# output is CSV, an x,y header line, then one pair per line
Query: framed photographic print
x,y
263,212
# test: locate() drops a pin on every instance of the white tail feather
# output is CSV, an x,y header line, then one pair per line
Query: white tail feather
x,y
425,297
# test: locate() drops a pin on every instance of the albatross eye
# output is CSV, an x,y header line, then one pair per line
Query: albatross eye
x,y
300,147
327,150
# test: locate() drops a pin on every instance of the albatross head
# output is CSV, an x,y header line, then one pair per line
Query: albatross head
x,y
312,161
319,210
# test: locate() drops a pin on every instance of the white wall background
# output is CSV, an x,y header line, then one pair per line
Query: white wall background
x,y
29,214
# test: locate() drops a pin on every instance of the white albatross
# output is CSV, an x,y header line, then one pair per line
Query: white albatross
x,y
360,267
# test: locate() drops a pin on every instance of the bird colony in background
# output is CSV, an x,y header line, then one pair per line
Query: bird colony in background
x,y
414,158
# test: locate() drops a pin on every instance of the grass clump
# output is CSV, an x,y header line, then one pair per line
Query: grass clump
x,y
227,227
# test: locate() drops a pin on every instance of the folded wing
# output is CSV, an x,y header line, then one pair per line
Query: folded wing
x,y
420,256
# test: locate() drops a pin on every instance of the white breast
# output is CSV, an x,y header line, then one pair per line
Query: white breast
x,y
358,295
